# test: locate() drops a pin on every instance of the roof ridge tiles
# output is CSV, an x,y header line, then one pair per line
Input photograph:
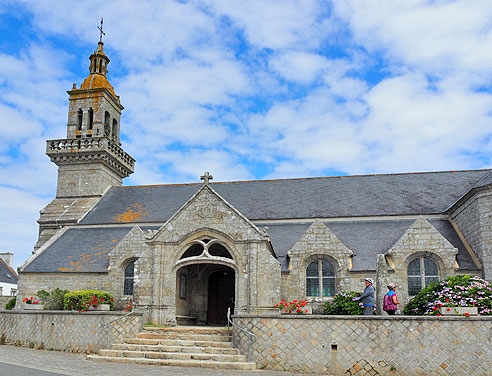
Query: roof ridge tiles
x,y
309,178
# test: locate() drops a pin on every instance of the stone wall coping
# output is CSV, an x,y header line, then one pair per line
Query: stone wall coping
x,y
362,317
62,313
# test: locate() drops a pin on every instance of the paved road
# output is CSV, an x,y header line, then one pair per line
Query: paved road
x,y
21,361
7,369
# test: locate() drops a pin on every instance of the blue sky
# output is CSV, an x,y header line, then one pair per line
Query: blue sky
x,y
247,90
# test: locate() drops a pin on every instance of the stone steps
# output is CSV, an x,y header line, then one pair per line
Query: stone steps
x,y
185,337
172,355
178,346
176,342
177,363
187,349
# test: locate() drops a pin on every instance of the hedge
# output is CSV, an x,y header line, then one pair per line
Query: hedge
x,y
83,299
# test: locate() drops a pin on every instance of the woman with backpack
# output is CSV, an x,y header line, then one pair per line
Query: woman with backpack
x,y
390,300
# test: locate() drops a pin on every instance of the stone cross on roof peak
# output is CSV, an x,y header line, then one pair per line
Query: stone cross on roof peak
x,y
206,177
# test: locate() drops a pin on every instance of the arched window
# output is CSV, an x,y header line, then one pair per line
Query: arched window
x,y
320,278
115,129
420,273
79,119
107,123
91,118
129,277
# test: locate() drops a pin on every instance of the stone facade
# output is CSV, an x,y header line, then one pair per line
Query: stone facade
x,y
421,239
188,247
67,331
318,242
474,219
208,216
404,346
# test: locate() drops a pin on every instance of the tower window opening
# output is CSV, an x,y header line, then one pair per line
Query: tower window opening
x,y
100,66
79,119
115,129
91,118
107,123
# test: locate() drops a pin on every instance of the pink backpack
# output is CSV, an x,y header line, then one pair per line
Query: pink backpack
x,y
388,304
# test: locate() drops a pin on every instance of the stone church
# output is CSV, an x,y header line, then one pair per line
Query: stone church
x,y
185,253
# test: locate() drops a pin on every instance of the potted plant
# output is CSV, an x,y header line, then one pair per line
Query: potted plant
x,y
31,304
298,307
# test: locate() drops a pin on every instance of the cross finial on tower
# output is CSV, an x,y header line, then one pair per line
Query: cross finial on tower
x,y
206,177
101,31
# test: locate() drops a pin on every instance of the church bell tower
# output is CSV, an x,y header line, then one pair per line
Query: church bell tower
x,y
91,159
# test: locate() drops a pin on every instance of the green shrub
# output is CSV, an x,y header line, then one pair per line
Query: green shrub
x,y
83,299
343,304
10,304
53,300
456,291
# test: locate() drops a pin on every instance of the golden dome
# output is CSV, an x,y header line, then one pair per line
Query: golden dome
x,y
97,81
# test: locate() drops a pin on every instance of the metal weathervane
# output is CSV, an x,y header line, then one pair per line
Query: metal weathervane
x,y
101,31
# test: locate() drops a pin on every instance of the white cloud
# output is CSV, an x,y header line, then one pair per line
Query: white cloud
x,y
190,165
225,86
143,32
277,24
438,37
18,229
298,66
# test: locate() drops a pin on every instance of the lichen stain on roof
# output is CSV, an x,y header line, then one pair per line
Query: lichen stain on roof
x,y
97,81
85,260
132,213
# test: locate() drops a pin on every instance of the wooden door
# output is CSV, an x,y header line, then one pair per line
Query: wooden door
x,y
220,296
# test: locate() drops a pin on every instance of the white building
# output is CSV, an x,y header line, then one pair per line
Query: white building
x,y
8,277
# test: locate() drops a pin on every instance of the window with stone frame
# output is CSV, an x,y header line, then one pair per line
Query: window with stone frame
x,y
129,278
420,272
320,279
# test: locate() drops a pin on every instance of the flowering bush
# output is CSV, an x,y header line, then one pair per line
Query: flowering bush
x,y
30,300
128,307
84,299
457,291
344,303
296,306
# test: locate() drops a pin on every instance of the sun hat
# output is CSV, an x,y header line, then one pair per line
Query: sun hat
x,y
370,280
391,286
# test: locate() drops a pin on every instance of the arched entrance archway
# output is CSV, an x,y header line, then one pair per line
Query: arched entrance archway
x,y
205,284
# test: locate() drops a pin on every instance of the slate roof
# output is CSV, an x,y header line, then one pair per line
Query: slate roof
x,y
86,249
7,274
366,239
80,250
486,180
346,196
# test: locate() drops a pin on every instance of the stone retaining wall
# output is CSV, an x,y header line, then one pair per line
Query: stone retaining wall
x,y
379,345
3,300
66,331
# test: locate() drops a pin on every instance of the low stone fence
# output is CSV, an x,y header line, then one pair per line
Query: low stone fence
x,y
66,330
378,345
4,299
